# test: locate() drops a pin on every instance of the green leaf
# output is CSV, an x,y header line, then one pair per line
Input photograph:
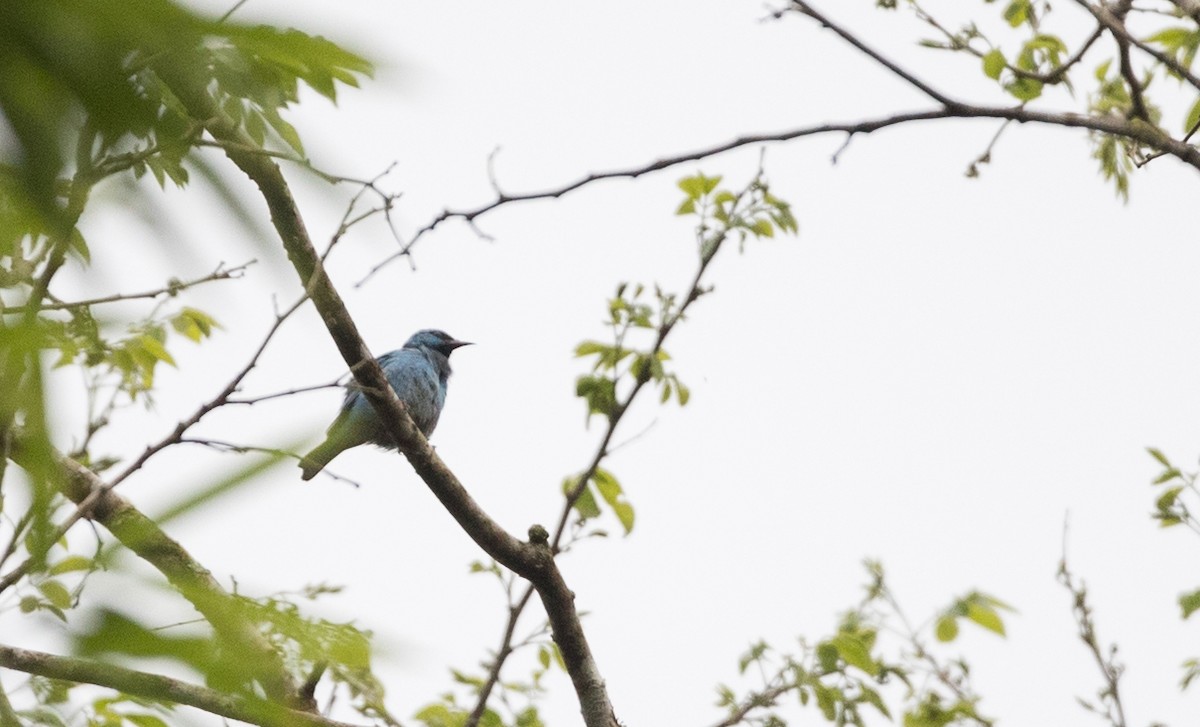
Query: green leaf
x,y
827,700
986,617
827,657
1017,12
585,504
56,593
1156,454
693,187
1024,89
610,490
1167,499
683,393
1167,476
947,629
1193,117
763,228
994,63
687,208
587,348
855,653
79,247
753,655
872,697
1189,602
154,347
439,715
599,392
286,131
69,564
1172,38
1102,70
1191,671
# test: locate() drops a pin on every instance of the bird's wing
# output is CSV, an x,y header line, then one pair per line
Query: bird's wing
x,y
415,381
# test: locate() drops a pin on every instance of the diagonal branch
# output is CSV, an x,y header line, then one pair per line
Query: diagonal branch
x,y
603,449
1125,38
534,560
805,9
84,506
193,581
158,688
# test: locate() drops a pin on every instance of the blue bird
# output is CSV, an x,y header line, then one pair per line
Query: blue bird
x,y
418,373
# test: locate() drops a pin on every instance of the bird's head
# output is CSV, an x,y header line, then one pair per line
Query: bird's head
x,y
435,340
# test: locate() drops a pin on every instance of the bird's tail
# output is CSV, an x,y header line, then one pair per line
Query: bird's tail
x,y
315,461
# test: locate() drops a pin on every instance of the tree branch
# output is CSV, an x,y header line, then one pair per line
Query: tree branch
x,y
534,560
84,507
805,9
193,581
159,688
1111,23
173,288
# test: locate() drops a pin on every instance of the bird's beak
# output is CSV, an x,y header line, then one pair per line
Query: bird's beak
x,y
457,344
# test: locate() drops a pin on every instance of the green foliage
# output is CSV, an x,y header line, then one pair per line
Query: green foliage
x,y
107,61
307,643
518,697
630,315
1178,42
587,505
1018,52
863,669
1176,490
1175,501
113,710
979,608
753,211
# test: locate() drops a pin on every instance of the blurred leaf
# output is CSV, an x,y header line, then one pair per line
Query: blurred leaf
x,y
946,629
194,324
71,563
854,652
1017,12
56,593
1024,89
585,504
610,490
1156,454
994,63
1189,602
986,617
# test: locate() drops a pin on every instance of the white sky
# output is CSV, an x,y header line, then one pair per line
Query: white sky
x,y
933,373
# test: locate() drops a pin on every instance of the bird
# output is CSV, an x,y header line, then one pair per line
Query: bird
x,y
417,372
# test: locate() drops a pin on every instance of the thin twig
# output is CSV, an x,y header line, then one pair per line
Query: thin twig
x,y
159,688
1110,669
171,289
84,508
806,9
1105,18
694,292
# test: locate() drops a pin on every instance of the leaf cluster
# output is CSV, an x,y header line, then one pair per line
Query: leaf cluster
x,y
517,698
873,663
1020,53
112,63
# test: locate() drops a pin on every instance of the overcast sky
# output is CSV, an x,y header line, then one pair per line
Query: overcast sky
x,y
934,373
